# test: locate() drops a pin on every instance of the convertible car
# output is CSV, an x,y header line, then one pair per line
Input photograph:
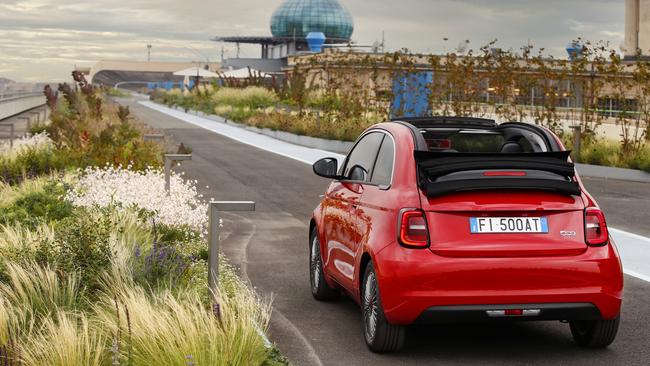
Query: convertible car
x,y
450,219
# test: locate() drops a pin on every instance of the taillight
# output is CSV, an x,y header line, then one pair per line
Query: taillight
x,y
493,173
413,232
595,227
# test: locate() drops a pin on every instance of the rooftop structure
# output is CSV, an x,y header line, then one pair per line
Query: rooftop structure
x,y
290,25
297,18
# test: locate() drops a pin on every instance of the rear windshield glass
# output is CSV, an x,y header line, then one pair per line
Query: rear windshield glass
x,y
483,141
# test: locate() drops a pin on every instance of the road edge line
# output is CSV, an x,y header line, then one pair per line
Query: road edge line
x,y
637,275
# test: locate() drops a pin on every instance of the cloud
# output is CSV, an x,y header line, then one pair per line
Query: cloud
x,y
44,39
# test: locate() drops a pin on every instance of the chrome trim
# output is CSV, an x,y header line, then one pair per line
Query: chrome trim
x,y
502,313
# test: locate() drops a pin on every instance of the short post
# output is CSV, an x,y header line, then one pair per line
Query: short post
x,y
213,236
153,137
576,142
168,166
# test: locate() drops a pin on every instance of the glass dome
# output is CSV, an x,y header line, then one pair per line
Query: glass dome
x,y
296,18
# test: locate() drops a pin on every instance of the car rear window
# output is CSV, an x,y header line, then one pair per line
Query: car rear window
x,y
483,141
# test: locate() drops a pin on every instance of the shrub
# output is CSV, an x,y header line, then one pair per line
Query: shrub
x,y
82,245
252,97
90,132
30,157
38,128
161,266
35,207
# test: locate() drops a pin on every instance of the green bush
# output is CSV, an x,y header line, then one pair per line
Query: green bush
x,y
38,128
641,160
38,207
30,163
82,245
600,153
239,114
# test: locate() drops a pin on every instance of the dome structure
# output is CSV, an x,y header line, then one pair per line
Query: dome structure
x,y
297,18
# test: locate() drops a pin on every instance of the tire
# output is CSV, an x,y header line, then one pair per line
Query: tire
x,y
594,333
319,287
381,336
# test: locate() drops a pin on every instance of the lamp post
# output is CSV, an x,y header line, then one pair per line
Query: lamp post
x,y
168,166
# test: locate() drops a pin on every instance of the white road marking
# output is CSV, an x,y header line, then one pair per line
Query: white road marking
x,y
635,253
300,153
634,249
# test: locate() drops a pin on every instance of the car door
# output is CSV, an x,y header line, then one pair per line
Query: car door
x,y
341,209
377,212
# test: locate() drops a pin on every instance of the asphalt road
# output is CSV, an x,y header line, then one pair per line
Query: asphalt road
x,y
270,248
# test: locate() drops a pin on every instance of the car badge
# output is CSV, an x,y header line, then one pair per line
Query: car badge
x,y
566,233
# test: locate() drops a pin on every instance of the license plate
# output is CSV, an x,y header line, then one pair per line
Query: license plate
x,y
483,225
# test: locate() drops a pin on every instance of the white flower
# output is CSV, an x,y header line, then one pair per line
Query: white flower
x,y
40,141
144,190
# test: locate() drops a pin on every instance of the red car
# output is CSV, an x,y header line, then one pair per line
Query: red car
x,y
450,219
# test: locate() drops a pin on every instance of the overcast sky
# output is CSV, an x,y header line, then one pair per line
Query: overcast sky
x,y
43,39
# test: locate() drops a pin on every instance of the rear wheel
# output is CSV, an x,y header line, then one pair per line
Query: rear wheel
x,y
319,287
381,336
594,333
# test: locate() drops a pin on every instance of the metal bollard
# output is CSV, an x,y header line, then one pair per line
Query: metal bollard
x,y
576,143
213,236
168,166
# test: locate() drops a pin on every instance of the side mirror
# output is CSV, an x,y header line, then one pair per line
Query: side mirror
x,y
327,168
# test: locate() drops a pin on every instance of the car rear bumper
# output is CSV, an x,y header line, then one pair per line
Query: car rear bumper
x,y
420,286
484,313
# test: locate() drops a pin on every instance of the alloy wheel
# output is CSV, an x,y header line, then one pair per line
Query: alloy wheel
x,y
315,264
370,306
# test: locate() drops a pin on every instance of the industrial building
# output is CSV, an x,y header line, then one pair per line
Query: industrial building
x,y
291,25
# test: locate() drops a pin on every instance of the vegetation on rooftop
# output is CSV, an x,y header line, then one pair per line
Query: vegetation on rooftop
x,y
336,95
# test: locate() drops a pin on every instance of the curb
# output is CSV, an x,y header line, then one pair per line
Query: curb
x,y
607,172
343,147
337,146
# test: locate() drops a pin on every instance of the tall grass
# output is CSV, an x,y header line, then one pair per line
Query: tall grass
x,y
66,340
18,241
166,329
252,97
39,290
